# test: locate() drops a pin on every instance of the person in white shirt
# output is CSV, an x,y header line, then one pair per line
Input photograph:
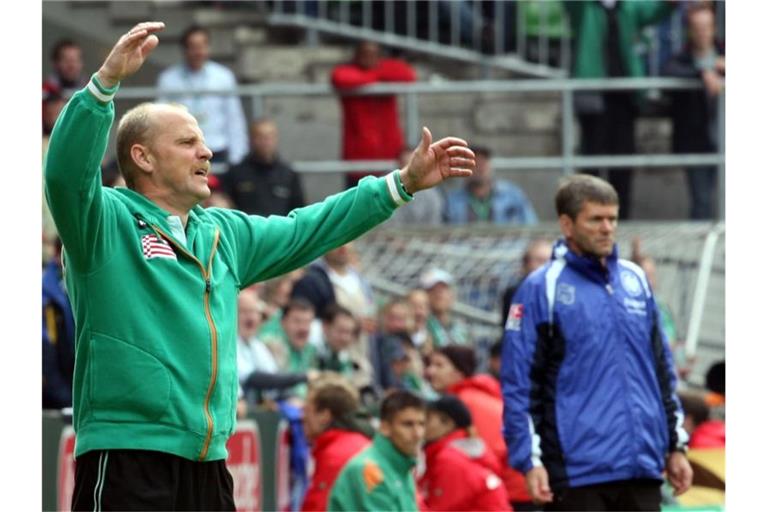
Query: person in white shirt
x,y
220,117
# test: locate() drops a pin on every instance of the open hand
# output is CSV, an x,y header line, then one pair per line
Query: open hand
x,y
431,163
129,53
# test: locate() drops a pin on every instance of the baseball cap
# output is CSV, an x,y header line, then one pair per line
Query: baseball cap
x,y
433,276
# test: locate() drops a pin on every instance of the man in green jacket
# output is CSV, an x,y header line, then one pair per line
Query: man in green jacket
x,y
381,476
154,280
606,33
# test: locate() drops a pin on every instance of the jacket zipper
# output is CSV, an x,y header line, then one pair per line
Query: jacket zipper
x,y
614,301
214,338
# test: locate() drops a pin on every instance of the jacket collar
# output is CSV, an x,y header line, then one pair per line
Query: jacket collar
x,y
400,462
480,382
330,436
142,207
588,266
436,446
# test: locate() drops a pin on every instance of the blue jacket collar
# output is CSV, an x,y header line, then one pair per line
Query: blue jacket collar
x,y
588,266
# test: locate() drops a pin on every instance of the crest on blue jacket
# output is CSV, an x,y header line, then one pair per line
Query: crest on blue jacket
x,y
631,283
566,294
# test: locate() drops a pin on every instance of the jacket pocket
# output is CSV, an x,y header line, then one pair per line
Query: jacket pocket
x,y
127,383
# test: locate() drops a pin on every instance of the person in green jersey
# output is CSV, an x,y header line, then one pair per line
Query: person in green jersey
x,y
381,476
154,279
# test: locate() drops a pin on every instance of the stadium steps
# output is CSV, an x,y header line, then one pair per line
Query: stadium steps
x,y
520,125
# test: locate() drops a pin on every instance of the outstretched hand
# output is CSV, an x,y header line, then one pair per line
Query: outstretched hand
x,y
431,163
129,53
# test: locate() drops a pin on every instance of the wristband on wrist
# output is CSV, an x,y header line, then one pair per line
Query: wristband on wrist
x,y
396,189
102,93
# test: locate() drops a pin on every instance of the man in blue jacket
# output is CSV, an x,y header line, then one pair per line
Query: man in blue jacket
x,y
590,412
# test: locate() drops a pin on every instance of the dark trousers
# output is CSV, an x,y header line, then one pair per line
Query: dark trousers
x,y
149,480
612,132
702,182
625,495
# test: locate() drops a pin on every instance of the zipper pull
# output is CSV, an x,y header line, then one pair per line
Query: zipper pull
x,y
608,287
207,285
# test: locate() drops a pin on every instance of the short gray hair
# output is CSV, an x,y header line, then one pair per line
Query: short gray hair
x,y
575,190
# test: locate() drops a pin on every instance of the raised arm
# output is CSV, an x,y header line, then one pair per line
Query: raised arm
x,y
268,247
77,146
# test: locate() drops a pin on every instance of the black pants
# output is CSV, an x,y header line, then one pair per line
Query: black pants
x,y
149,480
625,495
612,132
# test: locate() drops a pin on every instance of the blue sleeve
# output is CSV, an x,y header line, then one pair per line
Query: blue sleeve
x,y
57,393
667,378
519,344
530,216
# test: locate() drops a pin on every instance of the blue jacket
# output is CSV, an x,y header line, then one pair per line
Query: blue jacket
x,y
58,341
509,205
587,376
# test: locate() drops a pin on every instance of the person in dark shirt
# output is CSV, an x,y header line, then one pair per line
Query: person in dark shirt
x,y
262,184
695,111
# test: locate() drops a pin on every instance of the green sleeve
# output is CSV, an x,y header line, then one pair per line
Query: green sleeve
x,y
73,178
271,246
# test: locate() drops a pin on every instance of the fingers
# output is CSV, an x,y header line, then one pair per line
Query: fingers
x,y
149,44
467,163
426,139
451,141
460,152
149,27
462,165
141,31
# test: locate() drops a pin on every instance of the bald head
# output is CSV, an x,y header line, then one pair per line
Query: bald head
x,y
140,126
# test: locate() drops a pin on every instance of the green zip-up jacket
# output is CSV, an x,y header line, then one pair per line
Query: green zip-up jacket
x,y
156,318
378,478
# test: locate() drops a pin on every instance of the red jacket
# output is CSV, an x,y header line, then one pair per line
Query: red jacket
x,y
371,123
458,476
710,434
332,449
482,396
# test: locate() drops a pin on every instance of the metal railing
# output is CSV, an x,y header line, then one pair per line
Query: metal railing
x,y
567,162
532,37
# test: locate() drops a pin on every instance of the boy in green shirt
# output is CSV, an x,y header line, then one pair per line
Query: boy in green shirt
x,y
381,476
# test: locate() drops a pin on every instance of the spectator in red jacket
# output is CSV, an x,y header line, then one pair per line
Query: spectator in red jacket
x,y
451,370
371,123
332,432
461,474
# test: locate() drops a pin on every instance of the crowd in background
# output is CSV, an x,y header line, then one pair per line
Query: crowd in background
x,y
296,330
